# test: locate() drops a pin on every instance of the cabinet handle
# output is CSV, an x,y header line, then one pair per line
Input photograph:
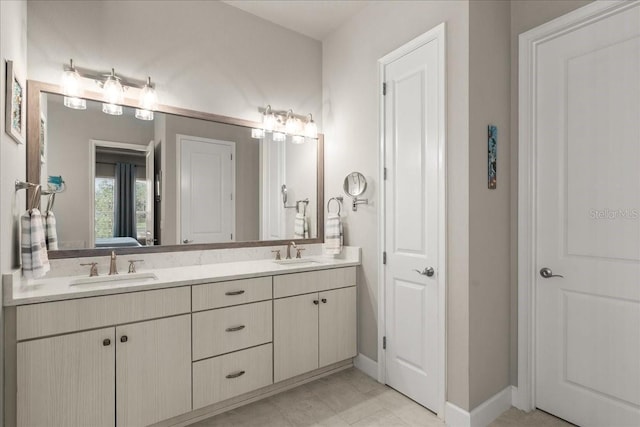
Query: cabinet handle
x,y
124,338
235,374
234,293
235,328
316,302
106,342
324,300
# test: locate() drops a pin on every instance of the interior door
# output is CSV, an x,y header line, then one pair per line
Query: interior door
x,y
67,380
587,138
150,171
207,186
153,370
411,225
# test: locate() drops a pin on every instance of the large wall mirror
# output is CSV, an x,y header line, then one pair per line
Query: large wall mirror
x,y
185,180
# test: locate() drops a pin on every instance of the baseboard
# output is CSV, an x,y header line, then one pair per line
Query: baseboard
x,y
482,415
519,399
366,365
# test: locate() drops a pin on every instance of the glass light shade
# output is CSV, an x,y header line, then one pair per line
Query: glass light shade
x,y
75,103
269,122
114,110
257,133
113,92
311,129
297,139
144,114
148,97
292,126
279,136
71,83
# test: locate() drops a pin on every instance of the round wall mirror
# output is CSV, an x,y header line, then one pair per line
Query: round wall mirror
x,y
354,184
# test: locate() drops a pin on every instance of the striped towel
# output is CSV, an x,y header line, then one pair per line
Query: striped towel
x,y
333,235
51,234
35,262
301,226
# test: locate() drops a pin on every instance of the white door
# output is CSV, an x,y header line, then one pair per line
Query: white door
x,y
207,187
413,112
273,166
587,139
150,171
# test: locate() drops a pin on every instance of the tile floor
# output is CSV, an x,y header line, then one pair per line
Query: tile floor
x,y
351,398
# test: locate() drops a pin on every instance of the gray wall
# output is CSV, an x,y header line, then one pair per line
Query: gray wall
x,y
350,86
69,154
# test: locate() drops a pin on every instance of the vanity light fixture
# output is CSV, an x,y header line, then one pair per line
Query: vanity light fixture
x,y
310,128
292,124
257,133
297,139
279,136
269,120
285,124
113,88
71,89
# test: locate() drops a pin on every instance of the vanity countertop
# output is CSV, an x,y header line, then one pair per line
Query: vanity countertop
x,y
59,288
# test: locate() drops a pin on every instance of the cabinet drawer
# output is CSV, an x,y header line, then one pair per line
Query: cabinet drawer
x,y
59,317
229,329
224,377
223,294
313,281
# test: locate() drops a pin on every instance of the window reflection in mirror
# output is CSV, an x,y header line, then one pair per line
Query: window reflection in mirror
x,y
190,180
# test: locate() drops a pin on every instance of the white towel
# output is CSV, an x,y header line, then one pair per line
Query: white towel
x,y
301,226
51,234
35,262
333,235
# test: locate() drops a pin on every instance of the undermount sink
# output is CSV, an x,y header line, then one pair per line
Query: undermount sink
x,y
296,261
130,277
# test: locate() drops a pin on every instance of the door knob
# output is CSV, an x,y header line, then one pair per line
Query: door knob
x,y
429,271
547,273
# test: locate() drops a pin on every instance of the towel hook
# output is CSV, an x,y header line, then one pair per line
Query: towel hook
x,y
338,200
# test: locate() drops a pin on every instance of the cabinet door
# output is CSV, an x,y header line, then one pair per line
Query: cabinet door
x,y
67,380
153,376
337,325
295,336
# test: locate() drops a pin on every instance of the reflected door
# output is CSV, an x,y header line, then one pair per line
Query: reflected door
x,y
207,187
587,135
411,189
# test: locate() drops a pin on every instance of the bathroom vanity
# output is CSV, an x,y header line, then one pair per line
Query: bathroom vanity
x,y
194,342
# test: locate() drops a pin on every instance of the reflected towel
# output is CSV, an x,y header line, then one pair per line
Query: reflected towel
x,y
333,235
301,226
33,247
51,235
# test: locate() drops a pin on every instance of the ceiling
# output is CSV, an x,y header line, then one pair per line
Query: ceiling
x,y
313,18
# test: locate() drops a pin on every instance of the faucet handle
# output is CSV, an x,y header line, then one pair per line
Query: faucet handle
x,y
298,252
94,268
277,252
132,264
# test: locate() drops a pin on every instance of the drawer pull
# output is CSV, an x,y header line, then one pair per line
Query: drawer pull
x,y
106,342
124,338
235,328
316,302
230,293
235,375
324,300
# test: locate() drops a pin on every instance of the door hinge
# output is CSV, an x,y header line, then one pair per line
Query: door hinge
x,y
231,156
384,343
384,173
384,257
384,89
231,236
231,196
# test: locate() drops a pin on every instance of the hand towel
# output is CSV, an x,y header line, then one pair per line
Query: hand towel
x,y
51,234
301,226
35,262
333,235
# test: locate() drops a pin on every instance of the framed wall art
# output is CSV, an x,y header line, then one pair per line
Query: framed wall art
x,y
15,111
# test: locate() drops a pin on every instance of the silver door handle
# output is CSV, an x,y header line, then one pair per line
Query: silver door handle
x,y
429,271
185,241
547,273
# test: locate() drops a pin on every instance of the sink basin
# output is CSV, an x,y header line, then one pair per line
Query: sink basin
x,y
296,261
117,278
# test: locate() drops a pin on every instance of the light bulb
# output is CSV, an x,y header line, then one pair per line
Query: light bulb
x,y
113,92
113,109
148,97
292,125
279,136
310,128
268,120
257,133
71,88
75,103
144,114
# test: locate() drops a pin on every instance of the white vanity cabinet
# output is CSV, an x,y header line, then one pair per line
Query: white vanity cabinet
x,y
315,329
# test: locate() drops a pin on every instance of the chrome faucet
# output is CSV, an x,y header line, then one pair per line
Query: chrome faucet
x,y
289,249
113,268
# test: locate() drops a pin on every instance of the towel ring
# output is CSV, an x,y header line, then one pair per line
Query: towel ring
x,y
338,200
35,198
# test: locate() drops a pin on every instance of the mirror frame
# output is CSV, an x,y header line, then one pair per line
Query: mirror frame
x,y
36,88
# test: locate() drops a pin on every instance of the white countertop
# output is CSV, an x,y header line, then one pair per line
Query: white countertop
x,y
55,289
